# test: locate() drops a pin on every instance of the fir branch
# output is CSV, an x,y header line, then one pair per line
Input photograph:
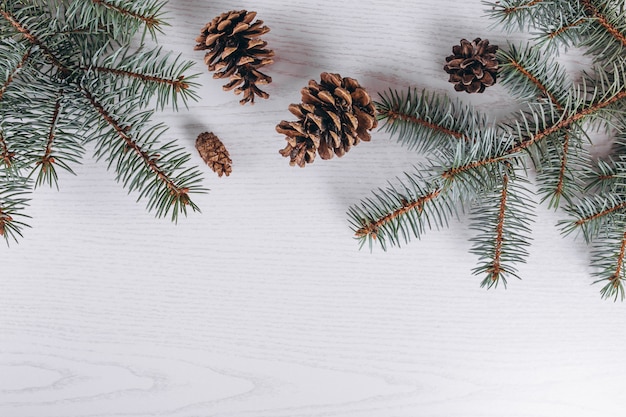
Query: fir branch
x,y
150,161
150,72
540,86
177,84
121,18
482,162
13,201
591,215
495,268
560,31
34,40
129,145
473,169
15,70
577,116
151,20
530,75
611,266
517,13
480,166
426,122
562,169
598,215
602,19
47,173
502,218
454,172
370,229
70,78
521,5
6,156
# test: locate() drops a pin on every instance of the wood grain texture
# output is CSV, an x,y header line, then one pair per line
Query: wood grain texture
x,y
263,306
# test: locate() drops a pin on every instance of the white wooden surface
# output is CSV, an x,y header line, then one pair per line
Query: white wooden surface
x,y
263,305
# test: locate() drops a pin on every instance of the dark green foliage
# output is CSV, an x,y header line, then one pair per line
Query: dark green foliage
x,y
480,165
70,75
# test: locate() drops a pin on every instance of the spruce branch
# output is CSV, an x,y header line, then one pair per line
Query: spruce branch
x,y
483,165
613,26
33,39
13,201
6,155
69,76
502,218
530,75
425,122
395,214
608,257
120,18
148,72
16,68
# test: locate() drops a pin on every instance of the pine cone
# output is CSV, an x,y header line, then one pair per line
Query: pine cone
x,y
473,66
234,50
333,116
214,153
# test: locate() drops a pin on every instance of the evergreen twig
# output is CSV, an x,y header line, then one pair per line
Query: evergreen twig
x,y
486,170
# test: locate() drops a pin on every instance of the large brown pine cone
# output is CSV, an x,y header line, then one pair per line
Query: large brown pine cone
x,y
234,50
334,115
473,66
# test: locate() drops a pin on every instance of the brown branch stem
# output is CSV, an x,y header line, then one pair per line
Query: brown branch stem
x,y
602,213
510,10
561,183
6,156
150,21
565,28
34,40
11,76
537,83
615,278
396,115
569,121
178,84
372,228
47,159
496,266
4,219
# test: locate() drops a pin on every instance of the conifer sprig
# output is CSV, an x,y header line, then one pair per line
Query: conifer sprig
x,y
482,166
70,76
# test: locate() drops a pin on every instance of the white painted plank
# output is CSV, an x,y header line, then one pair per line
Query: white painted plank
x,y
263,305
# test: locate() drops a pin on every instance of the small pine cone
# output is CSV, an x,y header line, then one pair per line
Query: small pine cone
x,y
234,50
214,153
473,66
334,115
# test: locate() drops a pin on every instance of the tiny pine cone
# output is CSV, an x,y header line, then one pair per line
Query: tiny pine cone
x,y
214,153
